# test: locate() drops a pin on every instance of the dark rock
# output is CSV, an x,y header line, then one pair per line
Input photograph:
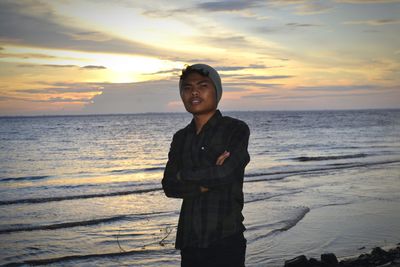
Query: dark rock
x,y
378,252
300,261
329,259
362,260
312,262
379,256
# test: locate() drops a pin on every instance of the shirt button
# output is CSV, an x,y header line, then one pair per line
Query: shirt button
x,y
202,148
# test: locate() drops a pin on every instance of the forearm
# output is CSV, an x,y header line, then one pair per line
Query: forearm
x,y
178,189
216,176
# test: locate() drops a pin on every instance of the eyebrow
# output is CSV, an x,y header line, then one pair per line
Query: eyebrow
x,y
203,81
199,82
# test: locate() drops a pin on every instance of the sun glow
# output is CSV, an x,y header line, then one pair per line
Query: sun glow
x,y
114,68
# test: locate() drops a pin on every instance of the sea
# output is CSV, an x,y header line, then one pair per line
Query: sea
x,y
86,190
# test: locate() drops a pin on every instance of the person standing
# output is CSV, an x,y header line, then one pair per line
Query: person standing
x,y
205,168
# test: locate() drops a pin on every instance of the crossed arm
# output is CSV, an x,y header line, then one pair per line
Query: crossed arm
x,y
179,182
220,161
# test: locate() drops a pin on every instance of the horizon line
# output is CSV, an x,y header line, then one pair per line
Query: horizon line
x,y
185,112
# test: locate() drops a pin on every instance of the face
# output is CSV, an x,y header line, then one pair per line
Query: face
x,y
198,94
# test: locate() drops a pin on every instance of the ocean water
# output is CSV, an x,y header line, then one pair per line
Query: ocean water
x,y
85,190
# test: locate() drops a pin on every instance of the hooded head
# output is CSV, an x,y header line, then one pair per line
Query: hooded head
x,y
204,70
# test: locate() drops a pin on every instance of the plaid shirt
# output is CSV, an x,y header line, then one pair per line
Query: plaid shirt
x,y
209,216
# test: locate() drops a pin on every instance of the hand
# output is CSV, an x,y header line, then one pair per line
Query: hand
x,y
222,158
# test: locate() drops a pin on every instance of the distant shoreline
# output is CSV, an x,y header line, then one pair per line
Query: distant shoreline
x,y
185,113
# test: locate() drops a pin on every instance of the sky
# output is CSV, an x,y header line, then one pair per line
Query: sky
x,y
102,56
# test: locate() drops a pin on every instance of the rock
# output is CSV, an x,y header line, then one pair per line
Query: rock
x,y
329,259
379,256
378,252
300,261
362,260
312,262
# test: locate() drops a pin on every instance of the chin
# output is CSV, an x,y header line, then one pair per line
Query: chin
x,y
196,111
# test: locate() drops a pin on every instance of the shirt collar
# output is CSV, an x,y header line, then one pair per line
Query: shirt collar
x,y
210,123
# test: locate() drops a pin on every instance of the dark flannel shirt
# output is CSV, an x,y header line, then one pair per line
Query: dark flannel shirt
x,y
208,217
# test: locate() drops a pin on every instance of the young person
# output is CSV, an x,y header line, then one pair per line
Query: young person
x,y
205,168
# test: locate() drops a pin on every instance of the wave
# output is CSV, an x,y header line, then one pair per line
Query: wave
x,y
287,224
56,226
62,198
62,225
291,223
279,175
25,178
320,158
266,196
127,171
81,257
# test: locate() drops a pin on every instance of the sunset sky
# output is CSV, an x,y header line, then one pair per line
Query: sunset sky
x,y
96,57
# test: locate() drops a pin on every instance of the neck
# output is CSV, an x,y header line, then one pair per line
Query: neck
x,y
201,119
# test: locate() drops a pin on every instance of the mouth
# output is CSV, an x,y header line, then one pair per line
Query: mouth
x,y
195,101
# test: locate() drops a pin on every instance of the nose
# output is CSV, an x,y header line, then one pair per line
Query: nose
x,y
195,91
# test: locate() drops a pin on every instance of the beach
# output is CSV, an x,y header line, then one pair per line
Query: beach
x,y
86,190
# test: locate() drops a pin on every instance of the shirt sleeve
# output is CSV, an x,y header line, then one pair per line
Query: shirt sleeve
x,y
224,174
172,186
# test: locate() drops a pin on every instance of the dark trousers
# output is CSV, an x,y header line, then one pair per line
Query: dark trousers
x,y
230,252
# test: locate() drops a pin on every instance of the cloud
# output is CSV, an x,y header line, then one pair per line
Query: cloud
x,y
151,96
216,6
301,25
59,66
25,55
45,29
367,1
251,84
262,77
303,7
67,100
219,6
56,66
336,88
310,8
333,91
74,88
234,68
286,28
376,22
229,41
91,36
93,67
238,43
174,71
47,100
263,95
163,13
